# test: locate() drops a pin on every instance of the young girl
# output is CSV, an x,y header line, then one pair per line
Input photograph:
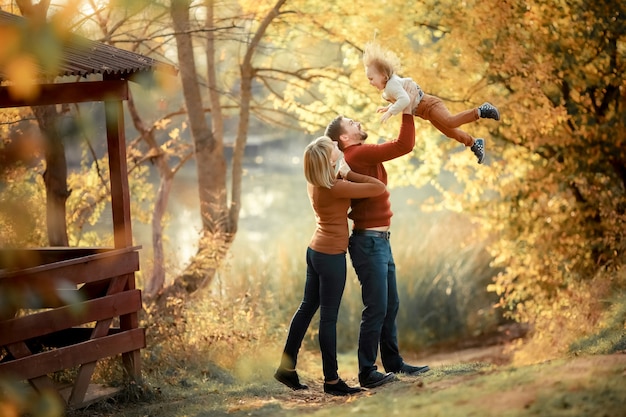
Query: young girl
x,y
381,67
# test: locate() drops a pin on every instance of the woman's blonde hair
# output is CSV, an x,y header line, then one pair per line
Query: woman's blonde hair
x,y
385,61
318,169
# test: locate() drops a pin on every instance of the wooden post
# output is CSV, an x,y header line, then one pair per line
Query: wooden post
x,y
118,172
120,205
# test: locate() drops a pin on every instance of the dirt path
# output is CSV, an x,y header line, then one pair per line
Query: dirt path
x,y
477,382
315,397
485,386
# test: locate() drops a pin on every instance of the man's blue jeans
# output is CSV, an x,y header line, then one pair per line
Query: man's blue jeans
x,y
374,265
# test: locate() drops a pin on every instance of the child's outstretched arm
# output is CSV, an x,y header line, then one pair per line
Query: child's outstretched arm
x,y
397,95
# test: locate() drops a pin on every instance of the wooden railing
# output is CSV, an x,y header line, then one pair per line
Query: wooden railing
x,y
68,308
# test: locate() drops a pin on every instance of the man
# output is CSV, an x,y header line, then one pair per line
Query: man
x,y
370,250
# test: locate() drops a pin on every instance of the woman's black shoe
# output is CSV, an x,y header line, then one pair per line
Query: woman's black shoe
x,y
289,378
340,388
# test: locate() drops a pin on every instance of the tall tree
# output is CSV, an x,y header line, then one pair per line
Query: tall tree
x,y
564,71
55,175
220,215
210,165
160,156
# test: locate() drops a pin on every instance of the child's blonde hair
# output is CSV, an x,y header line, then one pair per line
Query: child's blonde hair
x,y
317,166
385,61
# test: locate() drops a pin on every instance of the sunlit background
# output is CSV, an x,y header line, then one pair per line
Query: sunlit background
x,y
528,246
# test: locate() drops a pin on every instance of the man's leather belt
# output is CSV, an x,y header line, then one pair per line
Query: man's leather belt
x,y
373,233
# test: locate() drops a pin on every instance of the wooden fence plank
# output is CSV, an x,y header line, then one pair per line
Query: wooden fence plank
x,y
46,322
67,357
78,272
79,257
41,383
21,258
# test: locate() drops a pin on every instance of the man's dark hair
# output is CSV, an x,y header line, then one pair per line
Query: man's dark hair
x,y
334,128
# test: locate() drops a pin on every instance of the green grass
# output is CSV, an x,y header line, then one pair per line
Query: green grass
x,y
578,386
611,336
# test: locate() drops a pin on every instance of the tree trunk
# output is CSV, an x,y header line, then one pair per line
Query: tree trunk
x,y
214,95
55,175
210,162
219,220
157,279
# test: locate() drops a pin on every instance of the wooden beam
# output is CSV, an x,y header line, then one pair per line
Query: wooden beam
x,y
76,92
21,258
81,384
89,269
95,393
71,256
41,383
51,321
118,171
55,360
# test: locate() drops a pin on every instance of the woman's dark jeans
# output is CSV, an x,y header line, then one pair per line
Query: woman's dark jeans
x,y
325,282
374,265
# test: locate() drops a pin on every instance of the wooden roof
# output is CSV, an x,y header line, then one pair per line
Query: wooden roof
x,y
82,57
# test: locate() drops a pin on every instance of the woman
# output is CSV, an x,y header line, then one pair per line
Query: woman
x,y
331,186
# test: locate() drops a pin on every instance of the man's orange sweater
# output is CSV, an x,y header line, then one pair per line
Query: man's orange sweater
x,y
368,159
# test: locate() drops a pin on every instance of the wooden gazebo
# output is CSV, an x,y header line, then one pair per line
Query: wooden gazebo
x,y
77,306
